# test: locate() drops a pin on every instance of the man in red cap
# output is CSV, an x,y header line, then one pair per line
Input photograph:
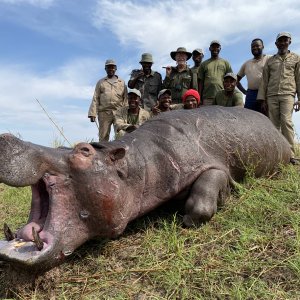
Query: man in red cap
x,y
191,99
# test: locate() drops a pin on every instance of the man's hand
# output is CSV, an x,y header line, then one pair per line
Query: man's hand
x,y
92,119
297,106
155,110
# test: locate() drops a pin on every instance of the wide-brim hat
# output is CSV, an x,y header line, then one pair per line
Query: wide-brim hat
x,y
181,49
146,58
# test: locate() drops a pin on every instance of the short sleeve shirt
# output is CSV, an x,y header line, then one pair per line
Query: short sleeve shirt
x,y
253,69
223,100
211,74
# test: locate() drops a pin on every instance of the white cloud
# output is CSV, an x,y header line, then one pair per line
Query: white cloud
x,y
162,26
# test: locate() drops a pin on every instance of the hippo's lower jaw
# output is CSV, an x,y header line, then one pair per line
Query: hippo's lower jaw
x,y
41,243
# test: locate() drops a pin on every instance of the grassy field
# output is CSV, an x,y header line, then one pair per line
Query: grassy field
x,y
249,250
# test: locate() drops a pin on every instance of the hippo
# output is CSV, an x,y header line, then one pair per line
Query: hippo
x,y
96,189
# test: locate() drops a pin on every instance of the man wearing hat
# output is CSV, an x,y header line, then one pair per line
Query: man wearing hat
x,y
179,79
278,88
130,117
145,80
229,96
110,94
211,74
197,57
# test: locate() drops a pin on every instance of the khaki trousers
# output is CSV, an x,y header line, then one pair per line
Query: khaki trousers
x,y
208,101
280,110
106,119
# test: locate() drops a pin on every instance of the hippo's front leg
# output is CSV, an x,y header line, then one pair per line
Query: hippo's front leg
x,y
208,191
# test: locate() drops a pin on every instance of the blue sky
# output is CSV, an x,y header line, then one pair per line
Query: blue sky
x,y
54,51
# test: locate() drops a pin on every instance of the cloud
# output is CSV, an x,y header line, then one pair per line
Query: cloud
x,y
65,93
162,26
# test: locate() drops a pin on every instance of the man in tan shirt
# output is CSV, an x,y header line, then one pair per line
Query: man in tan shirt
x,y
253,69
110,94
279,85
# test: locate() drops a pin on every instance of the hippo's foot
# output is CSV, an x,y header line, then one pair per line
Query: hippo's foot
x,y
207,193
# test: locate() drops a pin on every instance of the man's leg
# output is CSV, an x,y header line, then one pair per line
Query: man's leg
x,y
273,110
105,121
286,124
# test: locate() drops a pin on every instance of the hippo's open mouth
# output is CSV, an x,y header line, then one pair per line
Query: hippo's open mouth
x,y
36,240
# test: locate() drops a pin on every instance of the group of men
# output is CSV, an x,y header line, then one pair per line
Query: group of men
x,y
273,82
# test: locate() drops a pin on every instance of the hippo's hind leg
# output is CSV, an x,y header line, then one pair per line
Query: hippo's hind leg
x,y
207,193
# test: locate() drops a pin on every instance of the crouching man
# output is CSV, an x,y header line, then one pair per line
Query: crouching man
x,y
129,118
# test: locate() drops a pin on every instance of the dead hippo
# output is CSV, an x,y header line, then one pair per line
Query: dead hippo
x,y
95,190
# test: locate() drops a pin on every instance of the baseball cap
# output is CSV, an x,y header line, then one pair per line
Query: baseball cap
x,y
232,75
163,92
135,91
287,34
215,42
198,50
110,62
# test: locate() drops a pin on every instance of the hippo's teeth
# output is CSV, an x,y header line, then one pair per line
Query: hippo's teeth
x,y
8,233
37,240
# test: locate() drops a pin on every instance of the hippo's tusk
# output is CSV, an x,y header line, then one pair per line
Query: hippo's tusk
x,y
8,233
37,240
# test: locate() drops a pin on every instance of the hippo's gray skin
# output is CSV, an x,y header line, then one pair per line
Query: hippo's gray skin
x,y
95,190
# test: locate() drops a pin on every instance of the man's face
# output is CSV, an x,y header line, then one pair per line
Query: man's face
x,y
181,58
197,57
110,70
133,100
257,48
165,100
190,102
146,66
229,84
215,49
282,44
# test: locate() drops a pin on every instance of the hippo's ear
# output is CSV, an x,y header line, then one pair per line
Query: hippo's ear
x,y
116,154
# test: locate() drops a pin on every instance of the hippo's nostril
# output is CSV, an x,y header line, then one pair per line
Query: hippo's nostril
x,y
68,252
84,214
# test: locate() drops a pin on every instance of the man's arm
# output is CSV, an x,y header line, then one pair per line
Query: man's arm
x,y
135,76
120,120
239,85
94,104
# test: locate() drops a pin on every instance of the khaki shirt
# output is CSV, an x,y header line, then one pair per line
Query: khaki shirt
x,y
121,118
253,69
281,76
149,86
109,95
178,83
211,74
223,100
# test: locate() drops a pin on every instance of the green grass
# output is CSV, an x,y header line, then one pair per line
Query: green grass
x,y
249,250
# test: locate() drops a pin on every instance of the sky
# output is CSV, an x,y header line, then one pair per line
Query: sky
x,y
52,52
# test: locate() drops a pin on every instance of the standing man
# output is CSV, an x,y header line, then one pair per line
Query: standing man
x,y
211,74
279,85
197,57
129,118
229,96
178,79
148,82
253,69
110,94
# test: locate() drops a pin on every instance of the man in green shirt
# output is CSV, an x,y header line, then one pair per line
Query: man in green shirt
x,y
197,57
229,96
211,74
280,83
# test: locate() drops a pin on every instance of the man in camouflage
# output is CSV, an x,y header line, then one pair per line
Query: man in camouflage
x,y
197,57
148,82
130,117
279,85
110,94
179,79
